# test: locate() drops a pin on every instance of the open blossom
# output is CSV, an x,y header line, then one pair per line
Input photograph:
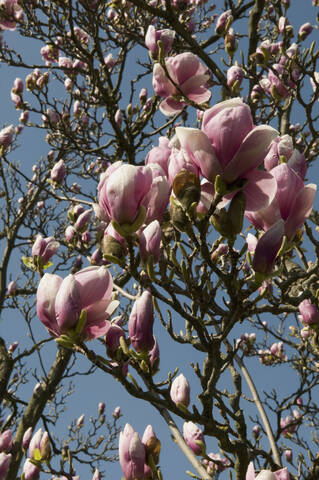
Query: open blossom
x,y
188,74
292,203
153,36
287,425
60,301
277,84
44,248
12,12
231,146
281,474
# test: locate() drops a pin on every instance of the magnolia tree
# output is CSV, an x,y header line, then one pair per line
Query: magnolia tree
x,y
169,189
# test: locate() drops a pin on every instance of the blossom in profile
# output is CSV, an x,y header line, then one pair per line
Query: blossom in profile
x,y
132,454
140,324
194,437
153,36
186,80
44,248
292,203
6,136
309,314
61,301
180,391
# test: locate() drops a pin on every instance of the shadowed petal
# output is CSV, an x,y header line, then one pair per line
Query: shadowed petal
x,y
301,210
251,152
260,190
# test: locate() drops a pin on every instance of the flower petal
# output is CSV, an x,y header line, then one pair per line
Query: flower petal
x,y
260,190
301,210
251,152
197,146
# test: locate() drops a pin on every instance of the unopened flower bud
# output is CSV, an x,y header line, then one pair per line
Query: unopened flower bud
x,y
117,412
101,408
58,172
80,421
194,437
12,287
180,391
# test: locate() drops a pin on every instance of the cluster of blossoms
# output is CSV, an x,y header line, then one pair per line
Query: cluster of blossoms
x,y
246,342
275,354
138,458
289,424
217,149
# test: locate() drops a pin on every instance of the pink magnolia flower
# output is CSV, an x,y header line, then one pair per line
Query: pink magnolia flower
x,y
40,441
12,286
30,471
188,74
58,172
180,391
231,146
122,192
235,74
140,324
152,445
12,12
160,155
280,83
280,147
179,161
153,36
292,203
6,441
44,248
157,199
5,460
313,84
150,242
132,454
217,464
281,474
194,437
287,425
60,301
305,30
6,136
309,314
223,22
